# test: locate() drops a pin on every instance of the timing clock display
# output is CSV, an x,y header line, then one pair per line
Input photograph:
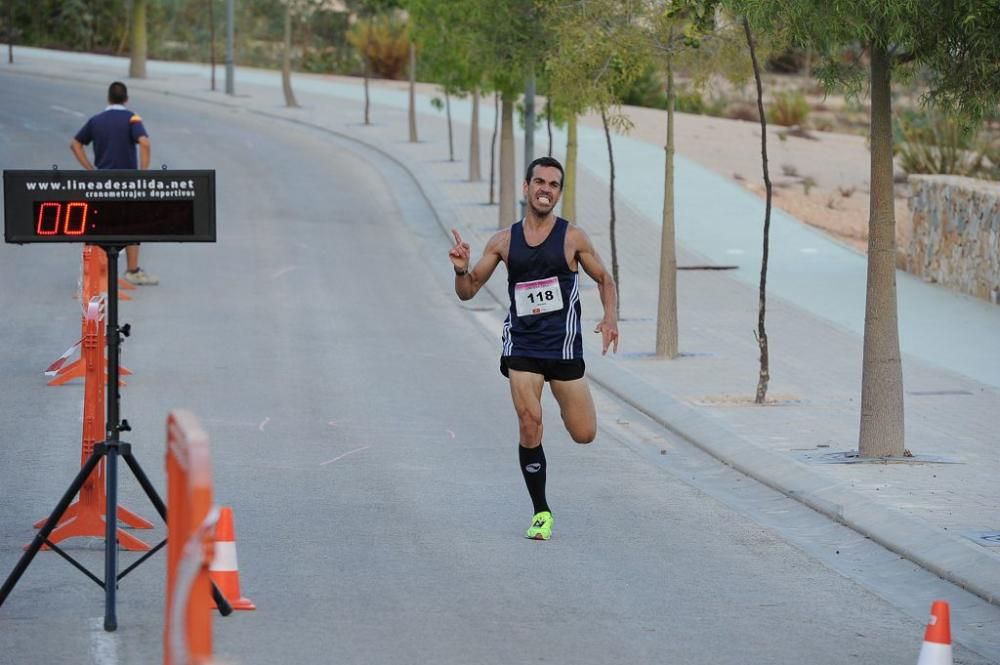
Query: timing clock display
x,y
109,207
96,220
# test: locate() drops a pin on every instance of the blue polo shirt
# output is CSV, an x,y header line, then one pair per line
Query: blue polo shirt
x,y
115,133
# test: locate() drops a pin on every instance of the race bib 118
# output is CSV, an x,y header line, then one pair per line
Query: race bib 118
x,y
537,297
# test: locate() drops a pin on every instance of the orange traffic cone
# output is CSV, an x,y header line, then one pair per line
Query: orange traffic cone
x,y
937,639
224,570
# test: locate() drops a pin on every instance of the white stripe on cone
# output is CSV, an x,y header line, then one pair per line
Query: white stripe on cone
x,y
933,653
224,560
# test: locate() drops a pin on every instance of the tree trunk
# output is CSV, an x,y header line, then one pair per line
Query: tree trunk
x,y
611,225
508,195
447,111
286,61
10,32
882,372
548,125
529,119
764,375
211,39
493,146
569,177
413,93
137,58
666,314
368,70
475,175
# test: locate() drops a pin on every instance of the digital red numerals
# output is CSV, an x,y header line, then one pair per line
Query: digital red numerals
x,y
48,219
51,218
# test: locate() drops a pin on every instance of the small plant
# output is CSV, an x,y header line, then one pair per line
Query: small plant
x,y
789,170
385,42
743,111
939,145
689,102
788,109
847,192
807,184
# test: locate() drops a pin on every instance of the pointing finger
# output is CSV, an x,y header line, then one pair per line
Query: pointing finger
x,y
458,238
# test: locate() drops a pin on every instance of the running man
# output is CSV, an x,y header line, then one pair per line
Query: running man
x,y
541,335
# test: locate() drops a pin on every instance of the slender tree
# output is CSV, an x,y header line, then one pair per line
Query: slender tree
x,y
10,32
286,58
509,40
598,54
211,39
493,146
764,375
475,172
368,11
412,107
446,33
679,33
137,55
956,43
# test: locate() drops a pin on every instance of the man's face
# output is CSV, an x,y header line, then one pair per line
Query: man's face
x,y
543,190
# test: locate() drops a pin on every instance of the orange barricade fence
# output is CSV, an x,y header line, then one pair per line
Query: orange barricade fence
x,y
93,284
191,519
86,517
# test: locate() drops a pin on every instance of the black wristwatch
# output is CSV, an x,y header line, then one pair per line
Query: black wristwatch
x,y
460,274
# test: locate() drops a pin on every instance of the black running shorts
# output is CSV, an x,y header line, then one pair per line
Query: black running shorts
x,y
552,369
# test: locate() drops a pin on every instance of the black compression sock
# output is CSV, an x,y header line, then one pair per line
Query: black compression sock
x,y
533,470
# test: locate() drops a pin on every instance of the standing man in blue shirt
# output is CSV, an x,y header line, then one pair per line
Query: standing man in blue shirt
x,y
115,132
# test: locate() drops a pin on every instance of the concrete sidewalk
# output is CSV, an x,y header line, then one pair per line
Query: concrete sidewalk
x,y
938,510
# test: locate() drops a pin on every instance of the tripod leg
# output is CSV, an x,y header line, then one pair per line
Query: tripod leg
x,y
145,483
111,540
51,523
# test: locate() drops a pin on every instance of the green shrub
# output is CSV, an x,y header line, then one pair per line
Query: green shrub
x,y
646,90
385,41
689,101
743,111
788,109
940,145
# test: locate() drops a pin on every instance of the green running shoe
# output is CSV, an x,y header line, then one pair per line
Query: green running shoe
x,y
541,526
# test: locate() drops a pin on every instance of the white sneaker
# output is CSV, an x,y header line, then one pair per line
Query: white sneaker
x,y
141,278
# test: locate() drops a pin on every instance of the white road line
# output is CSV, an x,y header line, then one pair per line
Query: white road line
x,y
63,109
338,457
278,273
264,422
103,645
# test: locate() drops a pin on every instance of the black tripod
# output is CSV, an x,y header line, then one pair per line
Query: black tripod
x,y
110,449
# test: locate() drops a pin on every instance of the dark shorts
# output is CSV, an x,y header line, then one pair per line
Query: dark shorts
x,y
551,368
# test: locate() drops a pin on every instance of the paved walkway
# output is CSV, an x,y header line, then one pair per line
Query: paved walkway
x,y
940,510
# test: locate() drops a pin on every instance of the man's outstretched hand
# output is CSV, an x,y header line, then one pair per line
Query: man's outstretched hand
x,y
609,336
459,253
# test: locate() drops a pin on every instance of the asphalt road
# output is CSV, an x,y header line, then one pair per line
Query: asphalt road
x,y
363,435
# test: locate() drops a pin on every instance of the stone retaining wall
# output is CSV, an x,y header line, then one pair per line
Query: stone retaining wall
x,y
956,234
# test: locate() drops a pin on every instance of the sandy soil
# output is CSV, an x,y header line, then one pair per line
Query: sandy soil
x,y
821,178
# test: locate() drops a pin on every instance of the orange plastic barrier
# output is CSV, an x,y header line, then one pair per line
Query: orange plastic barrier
x,y
93,283
191,519
85,517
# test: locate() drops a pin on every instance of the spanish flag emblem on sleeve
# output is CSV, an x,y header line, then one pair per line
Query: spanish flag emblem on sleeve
x,y
135,118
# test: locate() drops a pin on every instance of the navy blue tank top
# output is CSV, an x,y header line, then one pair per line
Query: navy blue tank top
x,y
534,327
